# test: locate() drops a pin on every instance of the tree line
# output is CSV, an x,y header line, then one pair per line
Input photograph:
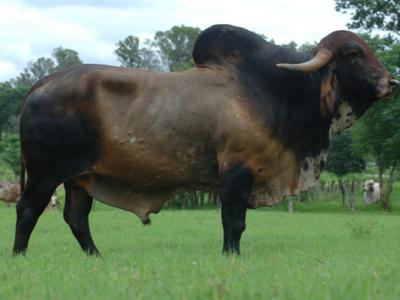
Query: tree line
x,y
375,137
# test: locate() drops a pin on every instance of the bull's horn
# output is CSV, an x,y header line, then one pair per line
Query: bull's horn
x,y
322,57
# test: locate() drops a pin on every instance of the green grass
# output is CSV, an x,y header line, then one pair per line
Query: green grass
x,y
284,256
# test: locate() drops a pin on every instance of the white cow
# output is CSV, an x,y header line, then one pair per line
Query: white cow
x,y
372,192
11,192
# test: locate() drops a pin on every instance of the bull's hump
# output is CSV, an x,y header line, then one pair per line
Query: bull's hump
x,y
223,43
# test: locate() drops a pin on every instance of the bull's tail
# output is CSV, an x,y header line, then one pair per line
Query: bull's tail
x,y
22,176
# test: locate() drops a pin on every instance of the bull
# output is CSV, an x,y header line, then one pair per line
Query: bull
x,y
251,118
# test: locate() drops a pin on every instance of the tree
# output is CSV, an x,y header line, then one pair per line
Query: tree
x,y
377,14
306,47
343,159
34,71
10,102
176,46
10,152
43,66
150,60
378,132
65,58
129,54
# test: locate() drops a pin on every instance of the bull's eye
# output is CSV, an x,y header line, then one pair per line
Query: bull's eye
x,y
353,55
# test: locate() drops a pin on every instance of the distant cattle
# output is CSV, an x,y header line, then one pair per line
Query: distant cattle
x,y
54,204
372,192
9,192
251,118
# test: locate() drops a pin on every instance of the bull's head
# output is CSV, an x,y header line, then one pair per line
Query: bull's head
x,y
350,70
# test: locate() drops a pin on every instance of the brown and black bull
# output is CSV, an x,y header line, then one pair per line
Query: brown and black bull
x,y
250,119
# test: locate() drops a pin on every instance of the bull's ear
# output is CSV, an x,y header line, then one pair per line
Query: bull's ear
x,y
329,93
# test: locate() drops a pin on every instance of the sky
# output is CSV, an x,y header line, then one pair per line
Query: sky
x,y
32,29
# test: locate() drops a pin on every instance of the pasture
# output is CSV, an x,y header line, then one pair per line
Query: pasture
x,y
303,255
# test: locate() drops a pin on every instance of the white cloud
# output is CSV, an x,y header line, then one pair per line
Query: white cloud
x,y
31,29
7,70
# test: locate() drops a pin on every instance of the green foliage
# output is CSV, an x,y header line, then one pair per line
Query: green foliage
x,y
34,71
130,55
65,58
128,52
379,132
62,58
176,46
291,45
10,152
377,14
306,47
343,158
10,102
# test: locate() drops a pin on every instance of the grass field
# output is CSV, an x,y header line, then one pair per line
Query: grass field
x,y
301,255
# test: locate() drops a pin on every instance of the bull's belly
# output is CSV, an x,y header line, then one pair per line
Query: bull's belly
x,y
142,186
123,195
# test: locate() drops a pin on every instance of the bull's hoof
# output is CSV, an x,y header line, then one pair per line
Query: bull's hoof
x,y
230,251
92,252
19,252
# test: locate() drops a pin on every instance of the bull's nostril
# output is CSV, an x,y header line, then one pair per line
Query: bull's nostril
x,y
394,83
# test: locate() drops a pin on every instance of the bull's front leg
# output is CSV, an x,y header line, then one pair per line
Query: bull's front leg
x,y
237,185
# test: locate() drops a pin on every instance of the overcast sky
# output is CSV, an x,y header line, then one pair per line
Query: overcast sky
x,y
31,29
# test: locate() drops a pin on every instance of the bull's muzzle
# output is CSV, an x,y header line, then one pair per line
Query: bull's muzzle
x,y
388,88
394,83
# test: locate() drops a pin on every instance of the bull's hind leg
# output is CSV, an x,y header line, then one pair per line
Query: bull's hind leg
x,y
78,204
237,184
31,205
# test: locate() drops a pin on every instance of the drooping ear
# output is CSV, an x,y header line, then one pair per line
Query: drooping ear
x,y
329,92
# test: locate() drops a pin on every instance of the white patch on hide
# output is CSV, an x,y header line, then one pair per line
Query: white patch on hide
x,y
311,166
343,119
310,171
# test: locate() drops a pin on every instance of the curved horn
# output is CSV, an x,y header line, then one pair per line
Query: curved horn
x,y
322,57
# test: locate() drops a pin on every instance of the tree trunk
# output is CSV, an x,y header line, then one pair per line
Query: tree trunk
x,y
194,200
201,198
342,190
388,192
217,198
290,204
381,183
352,199
182,199
210,198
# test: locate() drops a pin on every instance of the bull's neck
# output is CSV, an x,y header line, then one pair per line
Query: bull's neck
x,y
288,102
